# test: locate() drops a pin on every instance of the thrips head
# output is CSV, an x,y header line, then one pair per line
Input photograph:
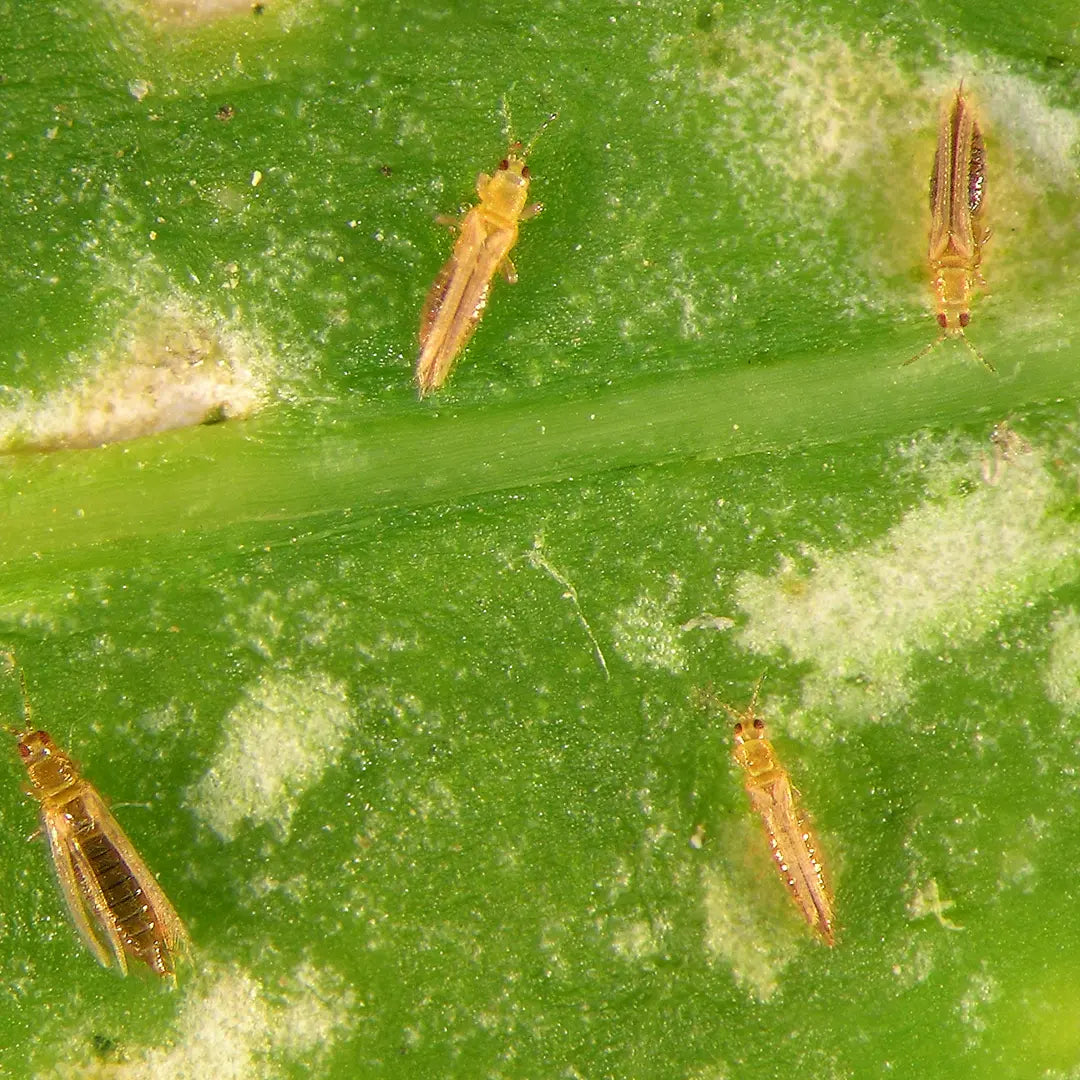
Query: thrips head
x,y
752,750
952,288
35,746
513,167
506,191
755,730
953,322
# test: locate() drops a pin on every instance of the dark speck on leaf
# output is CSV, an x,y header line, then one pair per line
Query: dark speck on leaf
x,y
104,1047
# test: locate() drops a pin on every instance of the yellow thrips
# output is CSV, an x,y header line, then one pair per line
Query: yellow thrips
x,y
459,294
957,233
116,905
791,842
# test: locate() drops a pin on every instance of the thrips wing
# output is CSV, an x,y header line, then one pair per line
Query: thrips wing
x,y
489,255
434,300
962,123
173,932
941,187
444,296
455,302
976,170
791,842
73,885
956,183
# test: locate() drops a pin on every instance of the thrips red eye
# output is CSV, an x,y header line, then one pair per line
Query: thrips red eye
x,y
943,320
965,318
505,163
525,172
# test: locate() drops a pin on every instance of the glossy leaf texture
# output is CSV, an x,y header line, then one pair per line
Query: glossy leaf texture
x,y
403,698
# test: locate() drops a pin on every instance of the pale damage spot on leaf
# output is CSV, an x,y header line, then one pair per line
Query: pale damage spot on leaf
x,y
915,961
647,631
172,370
1042,133
829,96
277,742
939,579
229,1027
1062,675
981,992
201,10
737,934
636,939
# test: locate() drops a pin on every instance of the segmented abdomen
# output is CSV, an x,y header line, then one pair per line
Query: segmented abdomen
x,y
128,909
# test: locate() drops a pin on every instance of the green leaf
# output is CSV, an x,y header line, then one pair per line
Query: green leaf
x,y
406,702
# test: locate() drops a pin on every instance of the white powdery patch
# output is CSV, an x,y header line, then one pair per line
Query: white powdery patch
x,y
715,1071
283,15
229,1029
982,991
819,106
173,370
317,1007
647,632
1061,676
277,743
736,934
636,939
805,114
940,578
915,959
197,10
1040,133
